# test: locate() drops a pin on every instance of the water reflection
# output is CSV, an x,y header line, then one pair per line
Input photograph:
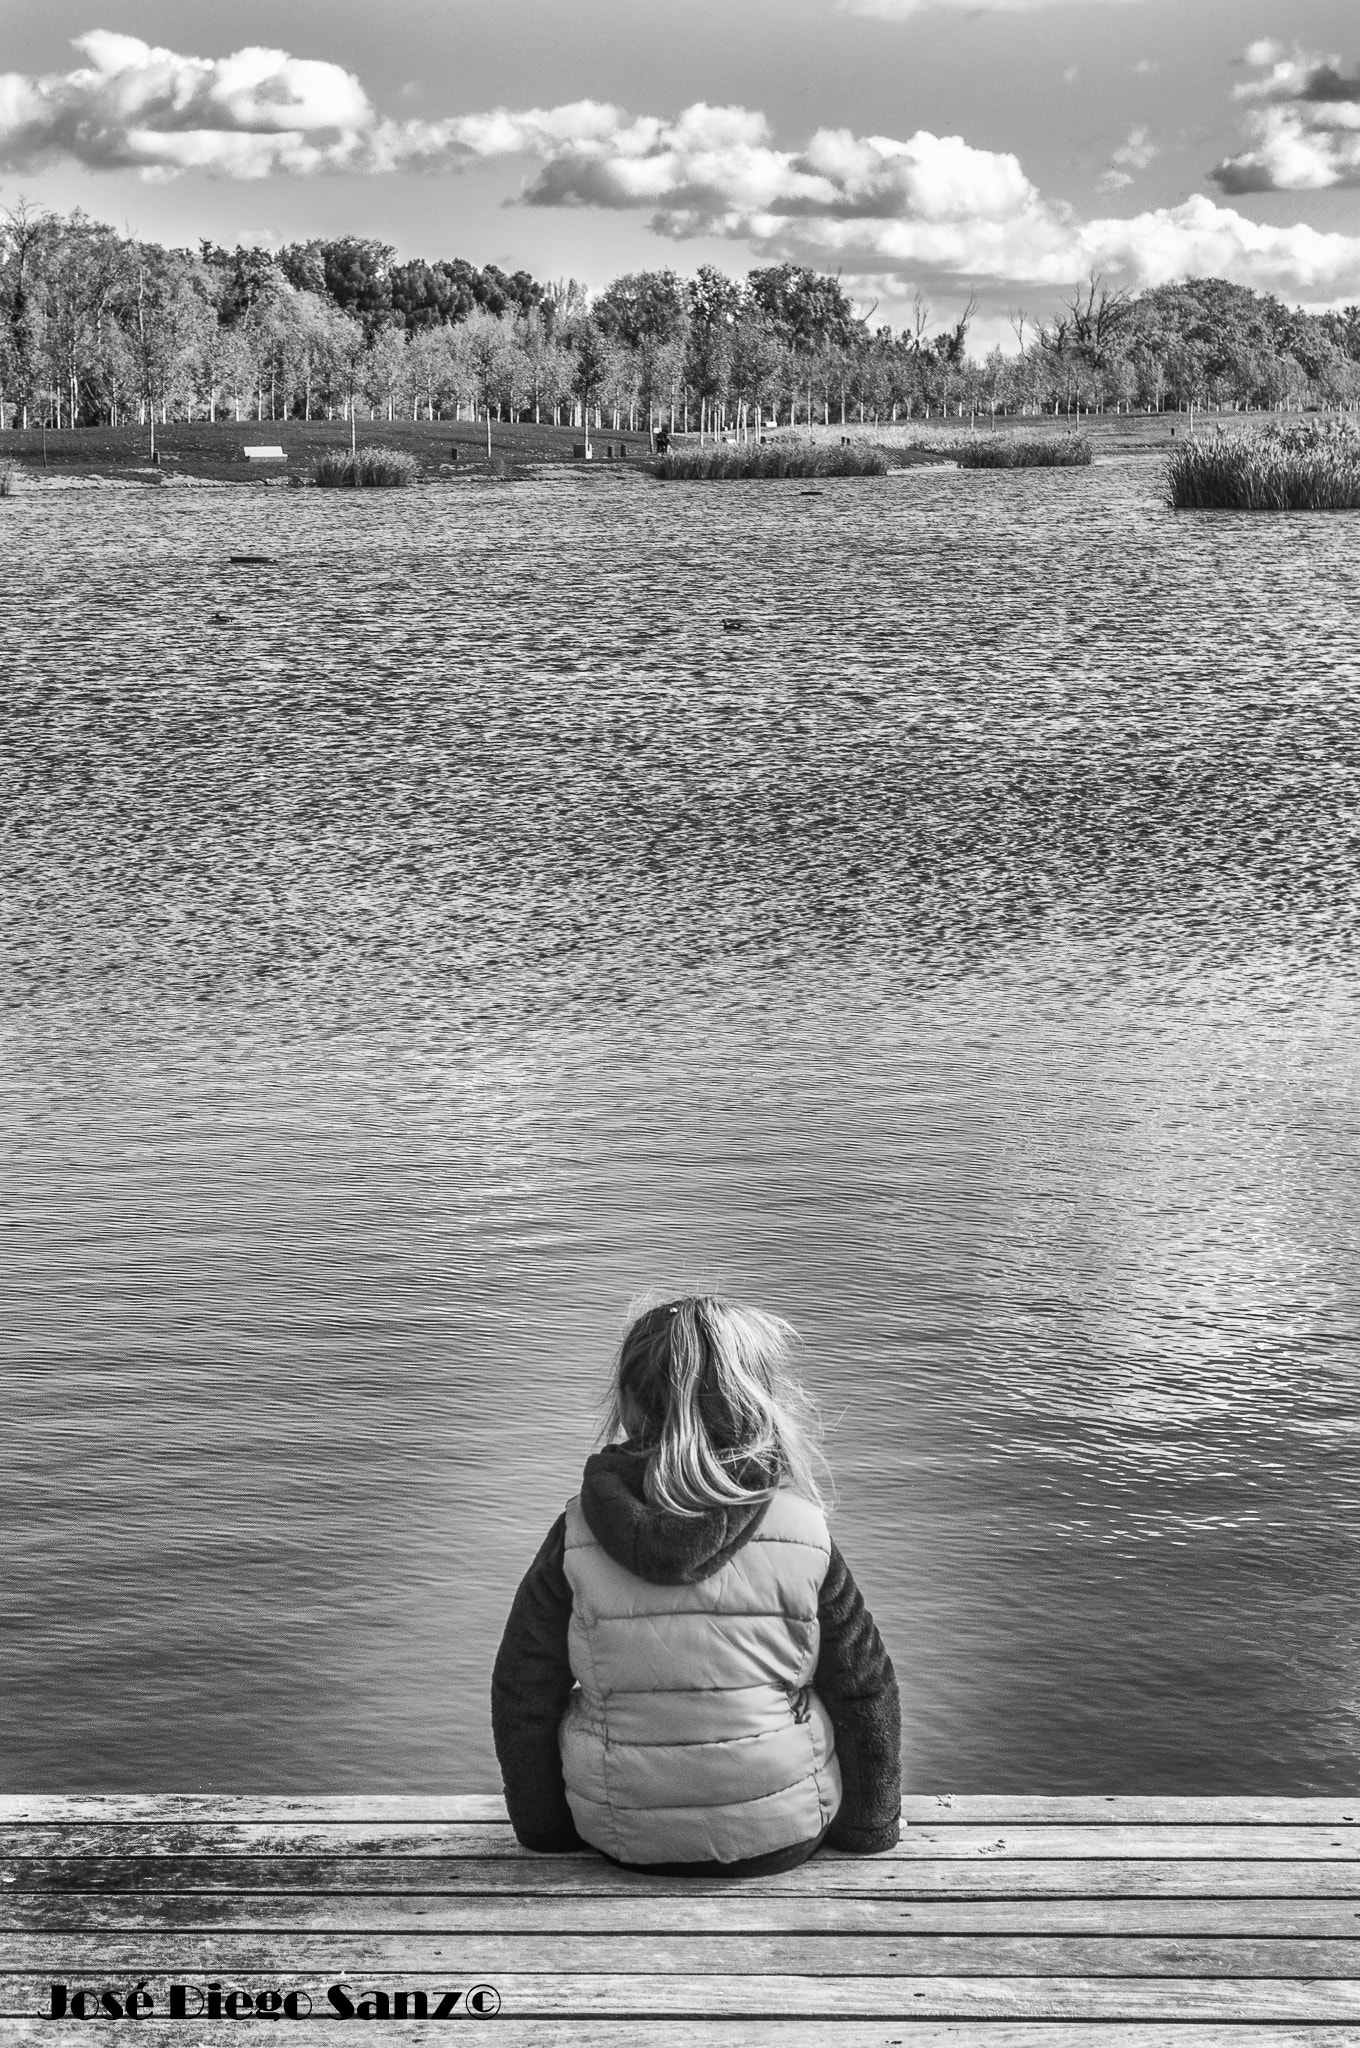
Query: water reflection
x,y
470,932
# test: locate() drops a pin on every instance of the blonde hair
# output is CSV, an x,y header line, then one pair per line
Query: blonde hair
x,y
704,1385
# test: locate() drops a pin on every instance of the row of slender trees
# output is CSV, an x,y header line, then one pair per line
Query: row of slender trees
x,y
100,328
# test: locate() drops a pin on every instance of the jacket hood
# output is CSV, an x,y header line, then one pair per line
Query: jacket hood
x,y
651,1542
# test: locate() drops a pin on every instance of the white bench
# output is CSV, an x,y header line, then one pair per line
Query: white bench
x,y
265,455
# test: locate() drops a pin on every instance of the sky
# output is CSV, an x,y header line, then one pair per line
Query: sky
x,y
944,149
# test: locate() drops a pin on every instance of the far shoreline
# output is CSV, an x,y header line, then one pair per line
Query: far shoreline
x,y
202,452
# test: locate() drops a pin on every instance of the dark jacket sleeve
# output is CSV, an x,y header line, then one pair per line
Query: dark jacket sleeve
x,y
856,1684
530,1686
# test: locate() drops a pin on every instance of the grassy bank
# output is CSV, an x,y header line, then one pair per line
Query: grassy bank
x,y
1313,466
214,451
1018,451
768,459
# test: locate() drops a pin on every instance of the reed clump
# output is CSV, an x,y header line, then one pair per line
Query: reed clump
x,y
767,459
1308,466
366,468
1017,451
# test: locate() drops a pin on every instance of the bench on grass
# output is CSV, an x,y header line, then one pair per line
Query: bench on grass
x,y
1004,1922
262,454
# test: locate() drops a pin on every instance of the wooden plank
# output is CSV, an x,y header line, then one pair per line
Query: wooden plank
x,y
943,1809
729,1910
967,1809
749,2033
1338,1844
139,1808
896,1954
554,1876
588,1996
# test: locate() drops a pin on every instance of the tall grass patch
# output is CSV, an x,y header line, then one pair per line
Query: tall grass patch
x,y
767,459
366,468
1313,466
1016,451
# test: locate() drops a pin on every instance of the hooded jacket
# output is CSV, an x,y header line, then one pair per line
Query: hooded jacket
x,y
693,1689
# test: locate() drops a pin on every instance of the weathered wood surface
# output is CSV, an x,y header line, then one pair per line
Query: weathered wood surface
x,y
831,1954
453,1842
1002,1923
579,1876
796,1997
963,1809
729,1910
759,2033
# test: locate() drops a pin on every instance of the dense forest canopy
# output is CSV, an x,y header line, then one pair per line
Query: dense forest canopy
x,y
96,327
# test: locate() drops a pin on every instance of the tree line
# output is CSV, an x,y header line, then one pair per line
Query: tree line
x,y
99,328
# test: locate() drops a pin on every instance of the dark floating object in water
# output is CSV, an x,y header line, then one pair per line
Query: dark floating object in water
x,y
734,625
221,618
812,494
250,561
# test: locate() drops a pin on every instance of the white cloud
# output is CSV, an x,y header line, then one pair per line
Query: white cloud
x,y
256,113
1304,120
716,166
931,208
1132,155
1137,151
1202,239
134,106
1047,248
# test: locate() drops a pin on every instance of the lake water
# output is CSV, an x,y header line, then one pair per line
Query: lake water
x,y
412,949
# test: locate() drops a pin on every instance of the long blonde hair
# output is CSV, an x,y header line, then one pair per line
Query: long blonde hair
x,y
705,1386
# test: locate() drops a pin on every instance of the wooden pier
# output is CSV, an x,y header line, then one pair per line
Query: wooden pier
x,y
999,1922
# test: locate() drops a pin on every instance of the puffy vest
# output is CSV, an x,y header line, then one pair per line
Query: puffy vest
x,y
695,1735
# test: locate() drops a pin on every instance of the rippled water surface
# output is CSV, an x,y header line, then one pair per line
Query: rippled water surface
x,y
414,947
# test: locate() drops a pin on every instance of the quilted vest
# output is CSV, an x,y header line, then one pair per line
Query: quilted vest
x,y
695,1735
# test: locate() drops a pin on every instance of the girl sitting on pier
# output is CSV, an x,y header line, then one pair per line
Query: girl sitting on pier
x,y
689,1680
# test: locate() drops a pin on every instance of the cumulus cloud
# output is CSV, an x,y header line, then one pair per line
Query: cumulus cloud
x,y
132,106
1047,247
716,169
1304,119
933,209
932,206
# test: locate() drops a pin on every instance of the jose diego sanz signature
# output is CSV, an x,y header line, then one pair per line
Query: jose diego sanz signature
x,y
214,2001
